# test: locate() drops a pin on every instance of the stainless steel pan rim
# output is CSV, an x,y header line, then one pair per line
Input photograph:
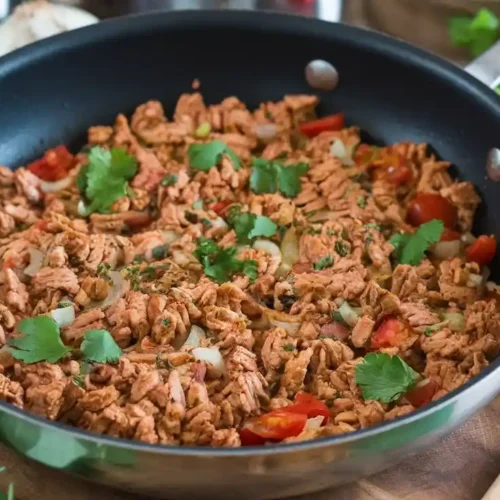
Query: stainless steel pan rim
x,y
277,23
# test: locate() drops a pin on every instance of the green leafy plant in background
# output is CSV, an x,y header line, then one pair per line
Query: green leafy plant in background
x,y
477,33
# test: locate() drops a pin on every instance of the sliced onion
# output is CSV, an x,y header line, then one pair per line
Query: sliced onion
x,y
289,322
219,223
196,335
63,316
170,236
36,262
212,356
456,321
266,131
446,249
289,249
53,187
475,280
349,315
468,238
271,249
291,328
81,208
314,423
342,152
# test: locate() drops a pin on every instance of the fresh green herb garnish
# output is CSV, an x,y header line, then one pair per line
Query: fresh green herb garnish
x,y
434,328
331,232
477,33
220,263
138,259
169,180
361,201
289,347
247,225
166,322
205,156
198,205
323,263
205,222
342,248
270,176
384,378
79,380
100,346
411,248
103,268
104,179
160,252
41,341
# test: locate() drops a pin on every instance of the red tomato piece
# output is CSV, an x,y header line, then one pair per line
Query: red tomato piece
x,y
399,175
422,393
315,127
221,206
483,250
307,404
428,206
365,154
55,164
334,330
450,235
391,332
274,426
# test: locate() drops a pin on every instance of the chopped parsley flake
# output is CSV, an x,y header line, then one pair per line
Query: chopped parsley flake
x,y
323,263
342,248
169,180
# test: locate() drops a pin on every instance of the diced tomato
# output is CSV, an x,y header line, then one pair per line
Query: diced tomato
x,y
9,263
220,206
365,154
422,393
55,164
307,404
315,127
483,250
391,332
41,225
428,206
274,426
392,167
334,330
399,175
449,235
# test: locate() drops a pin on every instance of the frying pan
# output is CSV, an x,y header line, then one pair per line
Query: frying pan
x,y
52,91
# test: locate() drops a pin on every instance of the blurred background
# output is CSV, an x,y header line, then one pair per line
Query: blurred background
x,y
455,29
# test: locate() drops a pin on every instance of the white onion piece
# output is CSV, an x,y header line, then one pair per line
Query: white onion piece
x,y
271,249
36,261
291,328
468,238
196,335
63,316
170,236
314,423
53,187
342,152
456,321
474,280
349,315
446,249
212,356
266,131
219,223
491,286
289,251
81,208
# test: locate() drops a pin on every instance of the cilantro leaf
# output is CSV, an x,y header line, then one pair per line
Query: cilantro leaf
x,y
323,263
169,180
247,225
41,341
477,33
384,378
270,176
220,263
205,156
99,346
104,180
411,248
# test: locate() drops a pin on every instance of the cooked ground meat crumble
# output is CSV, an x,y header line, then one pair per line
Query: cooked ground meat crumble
x,y
232,278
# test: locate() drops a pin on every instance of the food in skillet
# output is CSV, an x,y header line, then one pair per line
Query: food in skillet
x,y
234,278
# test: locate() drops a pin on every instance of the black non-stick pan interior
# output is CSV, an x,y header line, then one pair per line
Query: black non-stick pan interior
x,y
51,92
